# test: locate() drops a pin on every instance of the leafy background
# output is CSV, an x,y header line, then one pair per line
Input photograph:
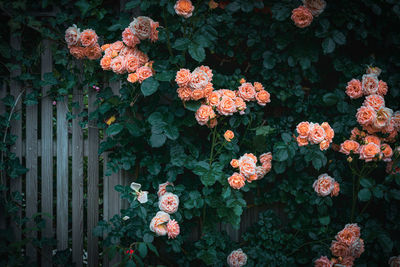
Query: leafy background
x,y
156,138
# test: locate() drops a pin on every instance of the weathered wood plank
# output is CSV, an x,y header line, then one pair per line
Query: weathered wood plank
x,y
85,147
31,175
62,175
46,153
3,222
77,179
93,184
16,129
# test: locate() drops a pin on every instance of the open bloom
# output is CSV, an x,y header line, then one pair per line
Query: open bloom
x,y
324,185
303,129
184,8
374,101
370,84
247,92
204,114
382,88
198,79
158,223
369,151
88,37
266,157
247,166
229,135
236,181
237,258
354,89
323,261
72,36
226,106
349,145
169,203
317,134
365,115
141,27
183,77
143,73
263,97
302,17
173,229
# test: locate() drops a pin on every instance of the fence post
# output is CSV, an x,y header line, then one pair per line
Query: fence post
x,y
47,154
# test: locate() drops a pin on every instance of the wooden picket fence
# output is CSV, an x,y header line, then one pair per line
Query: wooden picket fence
x,y
55,160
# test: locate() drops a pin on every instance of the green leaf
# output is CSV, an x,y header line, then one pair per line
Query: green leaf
x,y
287,138
153,248
148,238
49,79
193,105
114,129
181,44
149,86
264,130
197,52
83,5
330,99
339,37
325,220
171,131
328,45
157,140
132,4
364,194
365,182
142,248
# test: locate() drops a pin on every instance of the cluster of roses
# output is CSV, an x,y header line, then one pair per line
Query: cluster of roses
x,y
197,85
326,185
303,15
394,261
248,169
347,247
124,56
237,258
314,133
168,203
82,44
184,8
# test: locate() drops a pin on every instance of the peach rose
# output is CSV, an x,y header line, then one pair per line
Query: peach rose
x,y
302,17
266,157
118,65
77,52
184,8
251,155
346,236
354,89
184,93
143,73
353,227
369,151
258,86
199,79
349,145
323,261
383,116
169,203
328,130
93,52
162,188
105,63
197,94
117,46
365,115
340,249
132,78
72,36
301,141
347,261
387,152
208,71
316,7
372,139
247,92
141,27
324,145
229,135
129,38
240,105
132,63
267,166
324,185
396,120
183,77
374,101
370,84
204,114
143,58
173,229
263,97
88,37
228,93
237,258
247,166
104,47
236,181
234,163
208,90
303,129
317,134
226,106
158,223
213,99
336,189
242,81
382,88
154,32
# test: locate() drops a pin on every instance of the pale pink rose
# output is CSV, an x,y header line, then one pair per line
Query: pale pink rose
x,y
169,203
317,134
260,172
383,116
173,229
324,185
354,89
199,79
158,223
129,38
183,77
142,196
141,27
370,84
184,8
247,92
394,261
382,88
302,17
357,248
316,7
226,106
72,36
374,101
118,65
204,114
88,37
247,166
207,70
365,115
237,258
143,73
162,188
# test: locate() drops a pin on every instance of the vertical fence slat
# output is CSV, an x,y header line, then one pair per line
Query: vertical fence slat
x,y
47,155
77,179
16,129
3,93
62,175
93,184
31,175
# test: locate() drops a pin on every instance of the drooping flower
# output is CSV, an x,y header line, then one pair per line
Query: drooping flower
x,y
158,223
72,36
